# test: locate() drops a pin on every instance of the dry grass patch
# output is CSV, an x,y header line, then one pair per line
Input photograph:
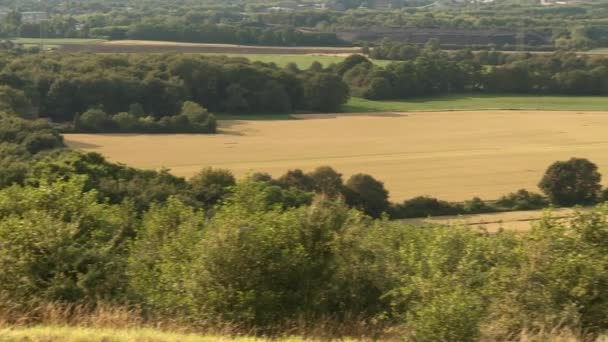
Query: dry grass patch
x,y
449,155
82,334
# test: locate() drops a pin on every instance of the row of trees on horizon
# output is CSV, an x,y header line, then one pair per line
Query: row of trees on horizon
x,y
503,24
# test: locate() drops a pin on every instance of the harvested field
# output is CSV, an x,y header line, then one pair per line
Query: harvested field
x,y
141,46
450,155
519,221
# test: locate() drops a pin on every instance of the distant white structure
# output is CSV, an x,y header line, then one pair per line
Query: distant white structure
x,y
556,2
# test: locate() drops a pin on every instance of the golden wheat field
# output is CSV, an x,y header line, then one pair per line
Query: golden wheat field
x,y
450,155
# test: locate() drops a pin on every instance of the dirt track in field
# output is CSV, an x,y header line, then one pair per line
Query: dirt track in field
x,y
449,155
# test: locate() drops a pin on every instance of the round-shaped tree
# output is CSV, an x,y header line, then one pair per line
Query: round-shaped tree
x,y
210,185
572,182
368,194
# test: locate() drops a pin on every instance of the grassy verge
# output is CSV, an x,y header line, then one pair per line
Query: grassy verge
x,y
71,334
57,41
480,102
76,334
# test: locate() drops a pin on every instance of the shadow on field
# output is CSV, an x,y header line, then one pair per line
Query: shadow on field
x,y
80,145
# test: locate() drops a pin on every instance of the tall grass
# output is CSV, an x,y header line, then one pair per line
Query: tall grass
x,y
86,322
53,322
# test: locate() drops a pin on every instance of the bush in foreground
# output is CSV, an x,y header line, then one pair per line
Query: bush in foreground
x,y
259,266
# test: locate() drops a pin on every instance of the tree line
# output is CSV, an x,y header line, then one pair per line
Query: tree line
x,y
64,86
430,71
260,254
192,118
137,93
576,26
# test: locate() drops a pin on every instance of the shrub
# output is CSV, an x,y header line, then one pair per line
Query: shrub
x,y
15,101
296,179
126,122
424,206
38,142
325,92
68,247
522,200
93,120
210,186
327,181
367,194
477,206
559,278
454,316
32,135
162,258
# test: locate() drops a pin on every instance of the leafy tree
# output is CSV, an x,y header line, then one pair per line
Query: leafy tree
x,y
235,100
162,256
325,92
572,182
93,120
522,200
316,67
477,206
210,186
112,182
15,101
194,112
327,181
137,110
261,177
125,122
368,194
423,207
351,62
297,179
68,246
379,88
12,23
32,136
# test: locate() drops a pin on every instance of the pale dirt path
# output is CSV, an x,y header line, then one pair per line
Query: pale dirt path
x,y
450,155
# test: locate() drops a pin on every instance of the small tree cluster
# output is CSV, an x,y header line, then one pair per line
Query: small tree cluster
x,y
192,119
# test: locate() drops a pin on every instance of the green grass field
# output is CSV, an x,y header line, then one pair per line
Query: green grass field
x,y
480,102
71,334
56,41
455,103
303,61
